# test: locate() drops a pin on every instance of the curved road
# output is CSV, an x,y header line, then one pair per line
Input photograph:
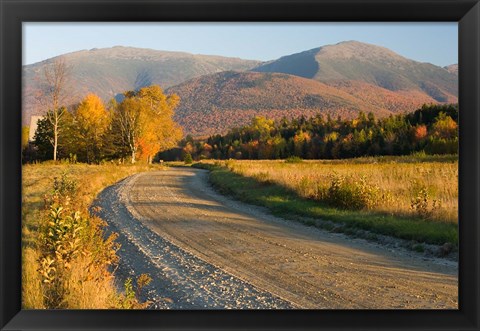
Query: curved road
x,y
204,250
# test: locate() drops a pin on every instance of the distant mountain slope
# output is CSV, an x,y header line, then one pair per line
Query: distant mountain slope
x,y
214,103
110,71
219,92
374,65
452,68
394,101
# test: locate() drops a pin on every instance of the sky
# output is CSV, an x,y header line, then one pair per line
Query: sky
x,y
436,43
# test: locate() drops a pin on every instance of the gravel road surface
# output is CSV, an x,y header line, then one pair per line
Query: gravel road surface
x,y
206,251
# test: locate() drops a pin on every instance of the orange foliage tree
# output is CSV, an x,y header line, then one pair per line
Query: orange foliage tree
x,y
145,124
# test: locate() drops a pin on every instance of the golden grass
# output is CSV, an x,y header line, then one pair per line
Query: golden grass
x,y
401,181
32,296
86,287
89,288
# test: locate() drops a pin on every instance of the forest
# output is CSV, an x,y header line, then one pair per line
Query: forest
x,y
432,129
136,128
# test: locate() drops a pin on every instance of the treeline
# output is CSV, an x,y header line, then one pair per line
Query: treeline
x,y
134,129
432,129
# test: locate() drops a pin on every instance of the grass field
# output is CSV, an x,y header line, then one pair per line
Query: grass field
x,y
407,197
414,198
81,289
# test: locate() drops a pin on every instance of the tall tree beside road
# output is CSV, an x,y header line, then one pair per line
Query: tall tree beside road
x,y
143,121
52,96
92,121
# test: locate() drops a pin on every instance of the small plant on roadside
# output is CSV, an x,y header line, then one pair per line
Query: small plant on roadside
x,y
60,244
131,299
188,159
74,255
423,205
142,281
129,292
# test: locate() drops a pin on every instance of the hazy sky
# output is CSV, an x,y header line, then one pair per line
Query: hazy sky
x,y
436,43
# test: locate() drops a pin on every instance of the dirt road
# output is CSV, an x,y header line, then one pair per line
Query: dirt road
x,y
204,250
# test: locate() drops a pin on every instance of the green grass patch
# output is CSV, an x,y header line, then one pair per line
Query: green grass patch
x,y
286,203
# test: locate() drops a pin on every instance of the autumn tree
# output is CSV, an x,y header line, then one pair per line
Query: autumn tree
x,y
420,132
53,95
445,127
126,123
144,122
91,122
432,129
160,131
262,127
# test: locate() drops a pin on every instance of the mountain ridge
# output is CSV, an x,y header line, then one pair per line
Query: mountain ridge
x,y
376,65
109,71
339,79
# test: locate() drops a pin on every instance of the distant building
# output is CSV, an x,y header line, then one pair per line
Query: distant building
x,y
33,126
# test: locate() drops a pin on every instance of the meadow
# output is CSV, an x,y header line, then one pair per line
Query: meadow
x,y
80,277
68,262
410,197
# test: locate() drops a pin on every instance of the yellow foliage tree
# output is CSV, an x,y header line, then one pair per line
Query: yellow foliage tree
x,y
445,127
146,123
263,126
92,121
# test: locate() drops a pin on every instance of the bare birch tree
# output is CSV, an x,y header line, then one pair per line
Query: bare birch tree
x,y
53,95
128,120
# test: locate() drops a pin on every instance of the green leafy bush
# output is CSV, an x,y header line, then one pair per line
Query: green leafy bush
x,y
75,257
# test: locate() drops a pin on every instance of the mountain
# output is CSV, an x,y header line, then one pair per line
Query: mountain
x,y
353,61
452,68
109,71
211,104
218,92
338,79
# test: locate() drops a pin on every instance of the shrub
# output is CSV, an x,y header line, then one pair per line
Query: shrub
x,y
293,159
188,158
74,256
422,205
131,298
69,242
352,193
64,186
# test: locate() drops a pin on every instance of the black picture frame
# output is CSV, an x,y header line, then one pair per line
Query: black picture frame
x,y
14,12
